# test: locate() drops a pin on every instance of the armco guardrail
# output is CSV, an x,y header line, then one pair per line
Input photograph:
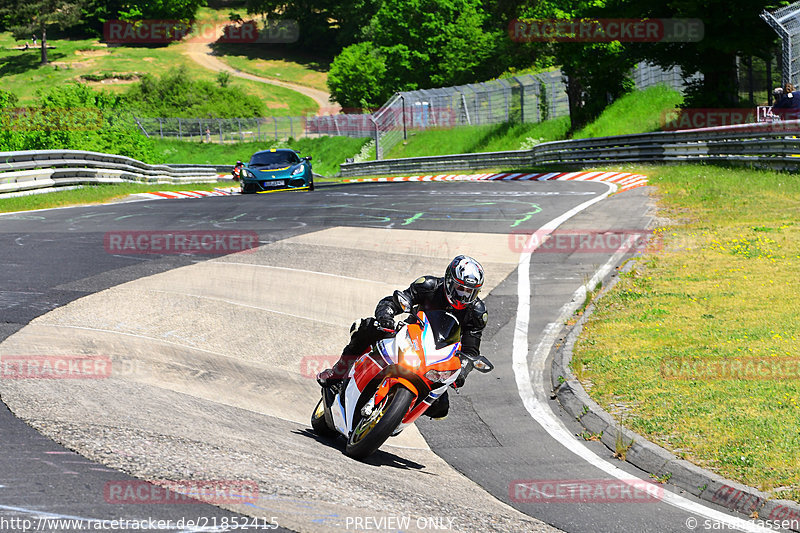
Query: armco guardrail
x,y
22,171
775,145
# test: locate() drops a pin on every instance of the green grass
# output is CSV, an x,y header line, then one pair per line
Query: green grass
x,y
95,194
23,75
469,139
327,152
273,62
720,285
636,112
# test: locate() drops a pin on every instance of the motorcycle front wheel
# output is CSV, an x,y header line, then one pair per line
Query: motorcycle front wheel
x,y
373,430
318,423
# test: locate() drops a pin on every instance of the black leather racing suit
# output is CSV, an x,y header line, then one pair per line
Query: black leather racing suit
x,y
426,293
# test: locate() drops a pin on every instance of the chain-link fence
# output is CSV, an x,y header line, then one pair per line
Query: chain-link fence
x,y
786,23
221,130
528,98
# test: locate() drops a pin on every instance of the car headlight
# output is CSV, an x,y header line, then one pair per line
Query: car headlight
x,y
298,170
440,376
247,174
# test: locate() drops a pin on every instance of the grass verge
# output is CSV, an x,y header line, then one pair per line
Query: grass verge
x,y
719,288
636,112
97,194
470,139
327,152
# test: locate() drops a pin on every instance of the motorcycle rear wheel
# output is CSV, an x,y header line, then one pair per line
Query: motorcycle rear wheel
x,y
372,431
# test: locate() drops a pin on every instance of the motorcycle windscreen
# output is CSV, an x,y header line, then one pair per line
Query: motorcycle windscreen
x,y
445,328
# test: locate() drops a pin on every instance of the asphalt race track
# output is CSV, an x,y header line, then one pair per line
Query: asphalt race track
x,y
211,360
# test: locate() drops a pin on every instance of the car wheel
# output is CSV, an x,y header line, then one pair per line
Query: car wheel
x,y
311,186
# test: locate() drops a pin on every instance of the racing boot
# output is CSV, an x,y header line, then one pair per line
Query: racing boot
x,y
439,409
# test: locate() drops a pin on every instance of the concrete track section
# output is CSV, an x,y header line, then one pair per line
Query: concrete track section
x,y
211,377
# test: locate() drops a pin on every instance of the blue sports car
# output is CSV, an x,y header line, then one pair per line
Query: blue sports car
x,y
276,170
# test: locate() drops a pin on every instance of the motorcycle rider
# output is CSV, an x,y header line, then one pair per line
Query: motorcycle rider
x,y
237,171
456,293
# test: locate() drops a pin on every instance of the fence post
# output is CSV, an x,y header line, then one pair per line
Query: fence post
x,y
180,129
403,110
219,126
275,120
160,127
377,138
258,128
291,128
241,133
521,99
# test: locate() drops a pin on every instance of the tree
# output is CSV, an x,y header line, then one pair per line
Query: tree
x,y
25,17
325,25
357,77
596,73
732,28
431,43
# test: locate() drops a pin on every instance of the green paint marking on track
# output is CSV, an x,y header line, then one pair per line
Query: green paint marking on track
x,y
412,219
526,217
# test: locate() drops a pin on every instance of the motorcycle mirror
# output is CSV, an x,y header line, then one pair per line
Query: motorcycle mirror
x,y
481,364
402,301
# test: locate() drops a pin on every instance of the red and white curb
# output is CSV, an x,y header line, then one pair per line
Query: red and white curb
x,y
624,180
186,194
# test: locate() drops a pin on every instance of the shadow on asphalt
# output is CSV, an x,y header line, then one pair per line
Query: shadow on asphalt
x,y
379,458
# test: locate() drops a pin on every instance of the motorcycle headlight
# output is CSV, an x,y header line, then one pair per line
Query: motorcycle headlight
x,y
440,376
298,170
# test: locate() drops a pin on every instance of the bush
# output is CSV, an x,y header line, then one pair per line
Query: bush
x,y
73,117
177,95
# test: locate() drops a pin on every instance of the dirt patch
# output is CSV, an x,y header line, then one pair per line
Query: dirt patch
x,y
92,52
110,81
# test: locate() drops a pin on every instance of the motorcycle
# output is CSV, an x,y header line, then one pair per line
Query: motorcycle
x,y
395,381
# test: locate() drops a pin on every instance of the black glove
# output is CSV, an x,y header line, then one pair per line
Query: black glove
x,y
466,368
386,323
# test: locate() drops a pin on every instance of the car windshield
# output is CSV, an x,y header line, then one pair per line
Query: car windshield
x,y
273,160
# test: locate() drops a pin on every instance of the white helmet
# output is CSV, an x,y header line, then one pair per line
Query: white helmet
x,y
463,280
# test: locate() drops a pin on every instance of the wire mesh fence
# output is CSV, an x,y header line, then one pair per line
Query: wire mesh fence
x,y
221,130
786,23
528,98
